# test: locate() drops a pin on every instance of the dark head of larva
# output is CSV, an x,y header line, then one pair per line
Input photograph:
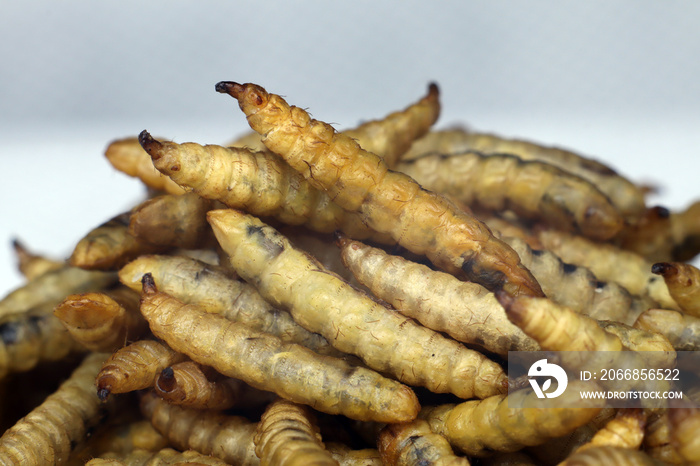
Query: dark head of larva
x,y
568,268
269,244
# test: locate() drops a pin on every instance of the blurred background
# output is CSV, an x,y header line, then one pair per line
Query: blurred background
x,y
615,80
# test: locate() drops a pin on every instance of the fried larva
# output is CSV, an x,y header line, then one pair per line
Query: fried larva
x,y
127,156
657,439
556,327
262,360
577,288
161,457
650,236
683,281
412,443
32,265
351,321
172,221
102,322
609,263
287,434
110,246
481,426
682,330
32,337
195,282
261,183
624,194
532,189
49,433
53,286
345,456
388,202
685,227
392,136
194,386
609,456
227,437
466,311
135,367
684,424
625,430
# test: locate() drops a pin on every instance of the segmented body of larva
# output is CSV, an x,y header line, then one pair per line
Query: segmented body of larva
x,y
262,360
532,189
624,194
287,434
388,202
414,443
349,319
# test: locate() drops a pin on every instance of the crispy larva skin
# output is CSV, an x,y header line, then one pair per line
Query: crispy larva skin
x,y
682,330
32,265
287,434
159,458
625,430
345,456
651,236
195,282
609,263
172,221
388,202
556,327
102,321
684,424
186,384
265,362
466,311
127,156
683,281
413,443
625,195
389,137
392,136
657,439
610,456
351,321
49,433
227,437
260,183
53,286
135,367
577,287
109,246
478,427
532,189
32,337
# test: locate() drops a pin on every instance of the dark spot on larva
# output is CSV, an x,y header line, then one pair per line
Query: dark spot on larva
x,y
568,268
537,252
490,279
274,249
175,168
600,285
9,332
662,212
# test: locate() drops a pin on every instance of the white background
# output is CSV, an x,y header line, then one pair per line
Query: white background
x,y
616,80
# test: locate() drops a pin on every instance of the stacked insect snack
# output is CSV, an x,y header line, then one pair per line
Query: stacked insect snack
x,y
304,295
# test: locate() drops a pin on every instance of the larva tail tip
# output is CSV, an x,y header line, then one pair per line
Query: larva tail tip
x,y
148,283
505,298
663,268
149,144
103,394
229,87
166,380
433,88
